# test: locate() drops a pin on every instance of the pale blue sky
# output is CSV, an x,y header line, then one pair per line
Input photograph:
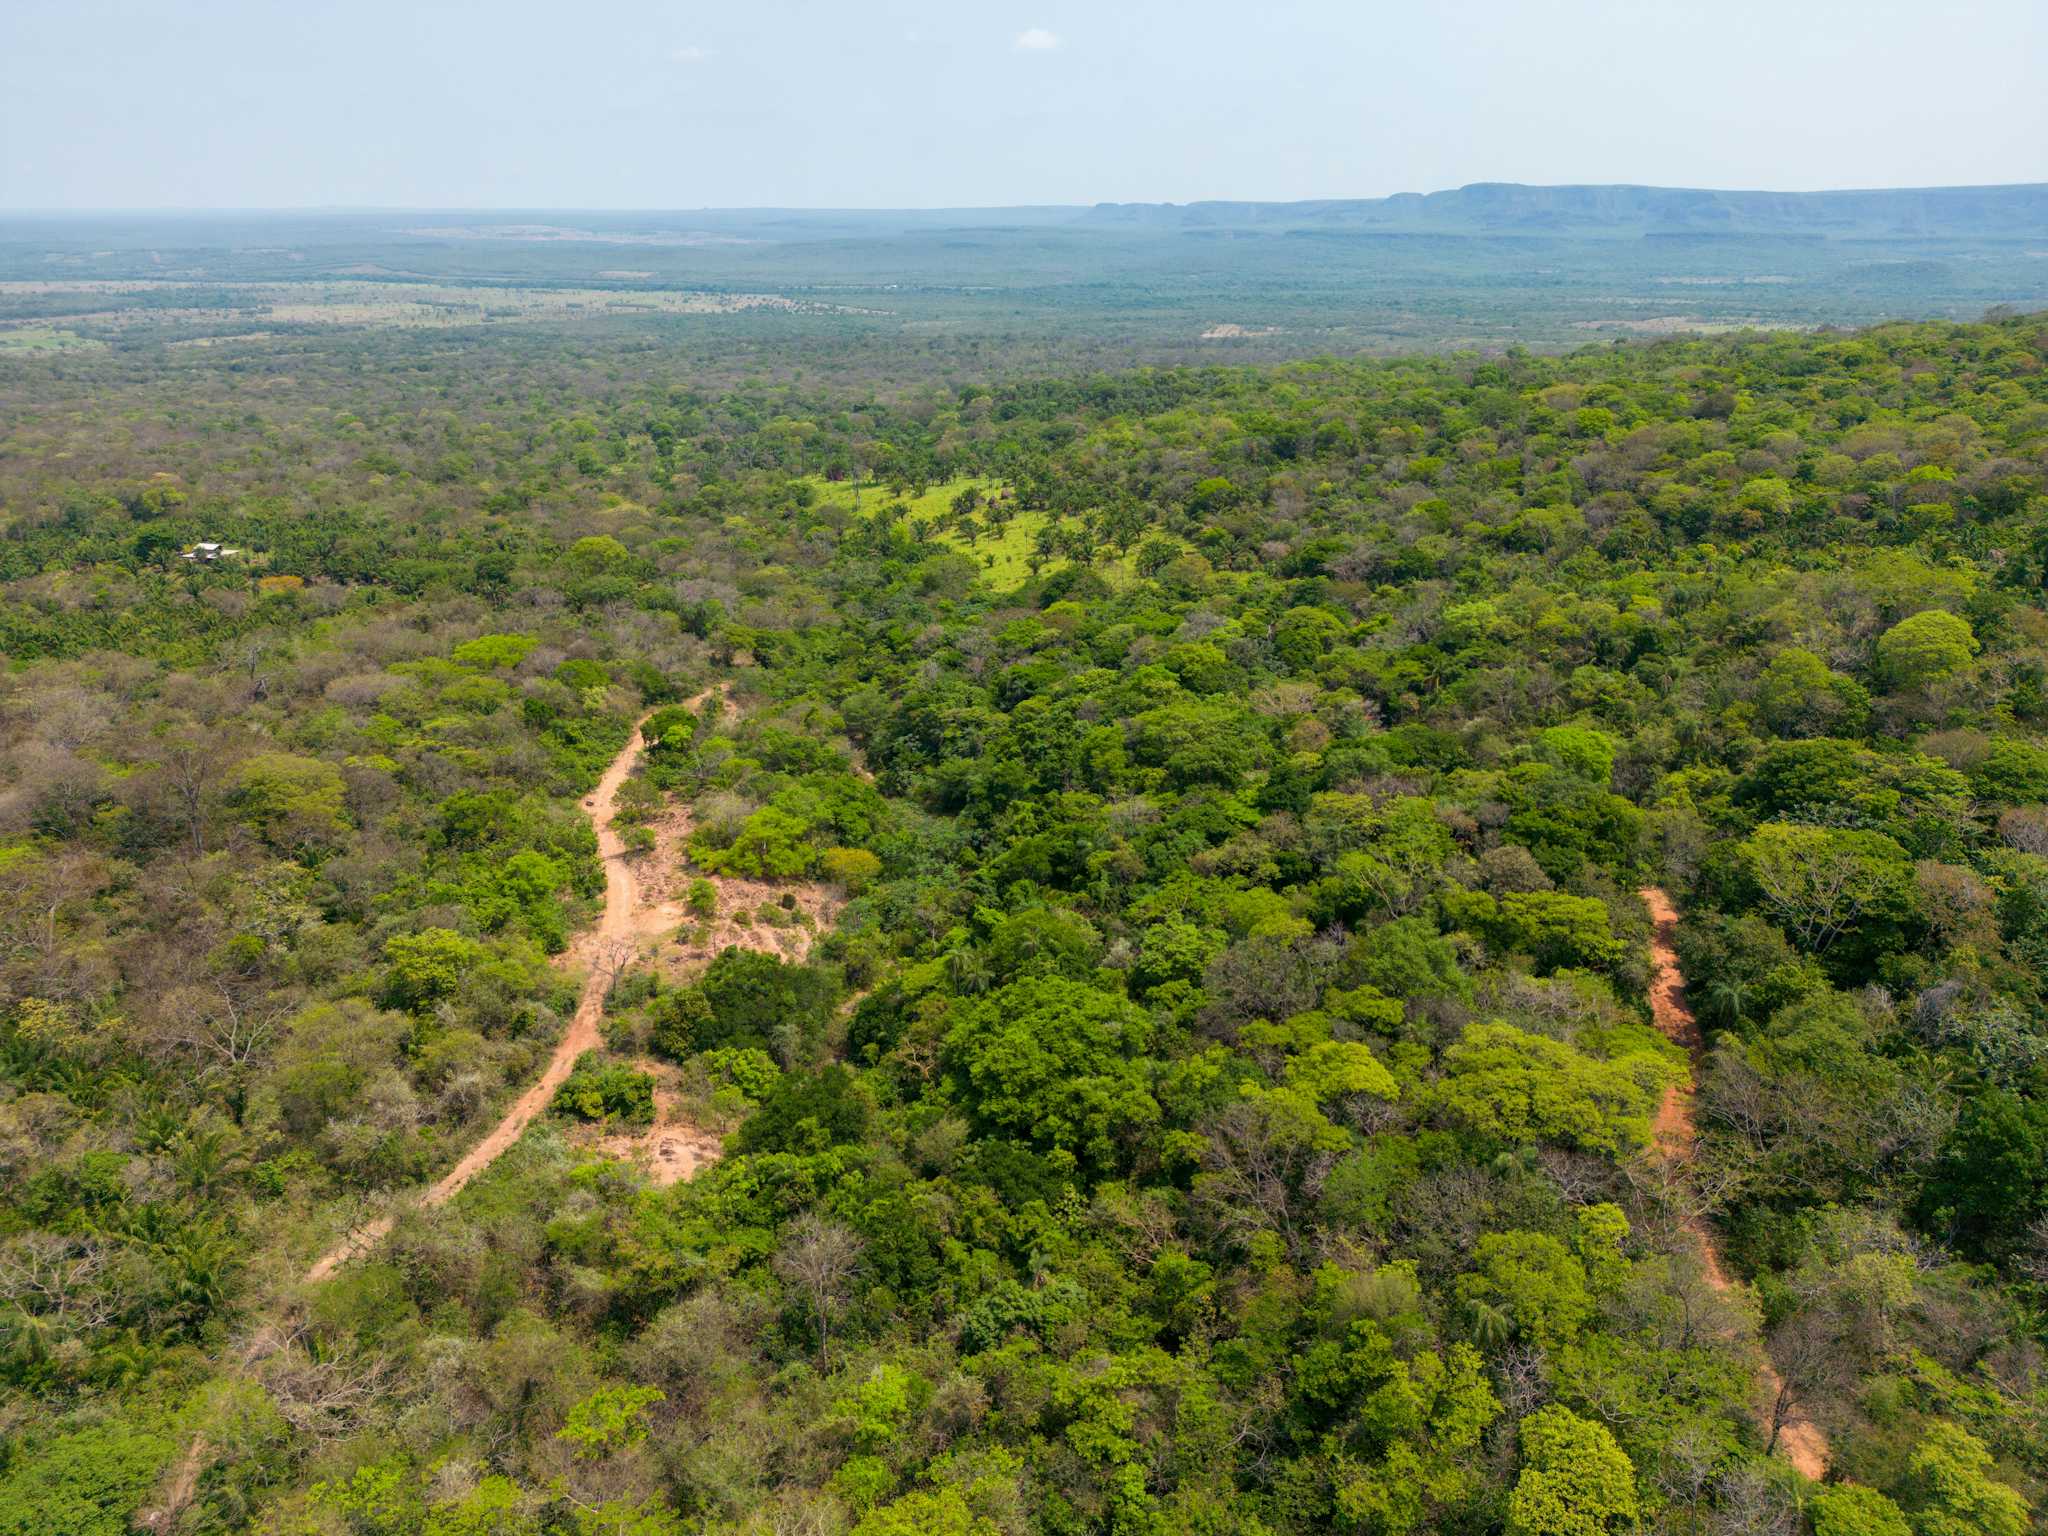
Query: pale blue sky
x,y
898,103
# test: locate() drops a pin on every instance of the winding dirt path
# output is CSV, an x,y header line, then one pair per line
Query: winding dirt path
x,y
634,914
1801,1440
603,949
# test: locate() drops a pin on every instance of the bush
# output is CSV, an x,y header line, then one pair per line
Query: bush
x,y
600,1090
803,1113
492,651
293,802
1575,1480
1056,1063
86,1484
1925,648
1852,1510
428,966
676,1020
752,999
850,868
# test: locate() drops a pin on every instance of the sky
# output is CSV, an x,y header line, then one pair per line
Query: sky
x,y
659,104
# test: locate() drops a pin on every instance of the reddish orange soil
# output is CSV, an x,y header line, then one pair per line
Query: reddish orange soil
x,y
734,922
601,949
634,915
642,909
670,1150
1802,1441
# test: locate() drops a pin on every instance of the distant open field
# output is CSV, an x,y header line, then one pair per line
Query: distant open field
x,y
361,302
1055,288
42,338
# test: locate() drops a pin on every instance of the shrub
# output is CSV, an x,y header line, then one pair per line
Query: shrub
x,y
850,868
757,1000
494,651
84,1484
805,1113
600,1090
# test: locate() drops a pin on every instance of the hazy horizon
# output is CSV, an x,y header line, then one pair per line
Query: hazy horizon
x,y
236,105
339,209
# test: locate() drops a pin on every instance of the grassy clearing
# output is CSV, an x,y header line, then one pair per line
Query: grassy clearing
x,y
926,506
43,338
1005,558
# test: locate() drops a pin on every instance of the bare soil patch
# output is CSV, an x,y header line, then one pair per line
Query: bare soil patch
x,y
366,300
670,1150
641,908
644,906
685,940
1681,325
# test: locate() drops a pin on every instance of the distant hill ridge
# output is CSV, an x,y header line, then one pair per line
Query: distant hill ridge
x,y
1499,207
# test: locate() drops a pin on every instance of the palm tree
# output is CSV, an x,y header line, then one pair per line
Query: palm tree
x,y
203,1159
967,971
125,1361
31,1337
199,1265
1491,1325
1728,1000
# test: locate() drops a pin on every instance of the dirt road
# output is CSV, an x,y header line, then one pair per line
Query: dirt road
x,y
602,949
1801,1441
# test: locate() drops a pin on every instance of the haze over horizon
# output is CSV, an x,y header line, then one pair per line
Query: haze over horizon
x,y
592,209
913,104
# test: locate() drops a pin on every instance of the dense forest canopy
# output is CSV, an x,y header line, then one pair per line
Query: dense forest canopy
x,y
1141,884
